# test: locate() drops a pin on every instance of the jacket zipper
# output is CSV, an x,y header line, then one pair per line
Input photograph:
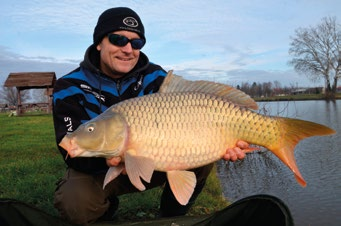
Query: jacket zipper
x,y
118,87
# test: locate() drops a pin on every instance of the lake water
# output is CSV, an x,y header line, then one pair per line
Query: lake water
x,y
318,159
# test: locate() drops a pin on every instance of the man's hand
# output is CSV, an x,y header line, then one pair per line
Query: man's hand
x,y
114,161
238,152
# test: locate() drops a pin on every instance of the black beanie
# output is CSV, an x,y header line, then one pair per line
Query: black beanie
x,y
115,19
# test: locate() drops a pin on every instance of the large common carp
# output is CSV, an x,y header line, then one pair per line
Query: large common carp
x,y
187,124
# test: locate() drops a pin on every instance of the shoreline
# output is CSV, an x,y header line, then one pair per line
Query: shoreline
x,y
300,97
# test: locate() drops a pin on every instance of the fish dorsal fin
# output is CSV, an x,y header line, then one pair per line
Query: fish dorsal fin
x,y
175,83
182,184
138,167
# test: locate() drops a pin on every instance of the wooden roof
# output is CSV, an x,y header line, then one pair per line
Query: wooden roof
x,y
29,80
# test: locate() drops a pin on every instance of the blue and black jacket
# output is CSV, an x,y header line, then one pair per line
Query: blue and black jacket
x,y
86,92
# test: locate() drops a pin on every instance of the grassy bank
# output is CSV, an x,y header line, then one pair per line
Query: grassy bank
x,y
30,164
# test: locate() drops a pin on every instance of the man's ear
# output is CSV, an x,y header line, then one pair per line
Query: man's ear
x,y
98,47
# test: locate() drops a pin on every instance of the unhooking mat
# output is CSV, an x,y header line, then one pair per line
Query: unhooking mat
x,y
253,210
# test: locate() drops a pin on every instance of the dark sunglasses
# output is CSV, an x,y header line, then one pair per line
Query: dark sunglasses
x,y
120,40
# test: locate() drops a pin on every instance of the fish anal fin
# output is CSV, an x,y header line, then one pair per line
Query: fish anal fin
x,y
138,167
174,83
112,173
182,184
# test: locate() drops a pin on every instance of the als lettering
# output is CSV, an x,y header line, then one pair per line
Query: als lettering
x,y
68,123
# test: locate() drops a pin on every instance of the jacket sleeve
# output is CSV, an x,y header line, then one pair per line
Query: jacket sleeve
x,y
68,114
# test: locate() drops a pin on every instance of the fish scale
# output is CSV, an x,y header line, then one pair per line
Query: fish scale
x,y
178,128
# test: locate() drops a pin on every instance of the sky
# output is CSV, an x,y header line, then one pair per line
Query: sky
x,y
219,40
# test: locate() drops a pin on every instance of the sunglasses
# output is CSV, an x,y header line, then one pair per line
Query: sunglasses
x,y
119,40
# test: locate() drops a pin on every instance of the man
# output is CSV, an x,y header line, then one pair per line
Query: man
x,y
113,69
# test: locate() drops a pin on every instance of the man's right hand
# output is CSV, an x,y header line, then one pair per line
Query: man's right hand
x,y
114,161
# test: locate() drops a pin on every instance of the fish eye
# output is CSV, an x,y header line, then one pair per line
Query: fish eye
x,y
90,128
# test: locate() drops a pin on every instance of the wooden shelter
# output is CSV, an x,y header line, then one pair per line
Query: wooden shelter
x,y
32,80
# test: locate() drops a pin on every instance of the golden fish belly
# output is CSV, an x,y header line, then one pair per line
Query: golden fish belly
x,y
188,130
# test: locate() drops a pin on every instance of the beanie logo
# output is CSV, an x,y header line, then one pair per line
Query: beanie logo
x,y
130,22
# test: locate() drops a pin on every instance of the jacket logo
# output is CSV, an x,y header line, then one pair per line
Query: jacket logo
x,y
68,123
88,89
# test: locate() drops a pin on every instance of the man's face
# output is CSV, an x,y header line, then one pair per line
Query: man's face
x,y
116,61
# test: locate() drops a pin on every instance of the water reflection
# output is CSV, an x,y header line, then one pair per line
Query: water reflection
x,y
318,159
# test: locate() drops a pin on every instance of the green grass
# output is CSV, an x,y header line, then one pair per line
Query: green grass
x,y
30,165
29,161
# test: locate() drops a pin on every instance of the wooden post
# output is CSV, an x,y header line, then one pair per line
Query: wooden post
x,y
49,100
18,101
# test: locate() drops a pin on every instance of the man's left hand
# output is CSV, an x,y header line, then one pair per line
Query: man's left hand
x,y
238,152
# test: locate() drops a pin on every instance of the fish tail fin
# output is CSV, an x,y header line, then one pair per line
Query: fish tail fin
x,y
293,131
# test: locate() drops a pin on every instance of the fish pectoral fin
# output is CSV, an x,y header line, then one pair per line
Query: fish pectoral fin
x,y
182,184
138,167
112,173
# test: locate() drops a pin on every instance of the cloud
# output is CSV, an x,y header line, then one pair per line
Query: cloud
x,y
12,62
66,16
237,77
230,41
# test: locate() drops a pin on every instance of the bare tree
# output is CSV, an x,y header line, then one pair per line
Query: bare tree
x,y
277,87
9,95
316,52
39,95
245,87
267,89
254,90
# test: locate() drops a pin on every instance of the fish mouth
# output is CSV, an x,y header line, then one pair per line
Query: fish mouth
x,y
70,146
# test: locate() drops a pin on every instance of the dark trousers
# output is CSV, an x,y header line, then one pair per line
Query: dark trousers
x,y
80,198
